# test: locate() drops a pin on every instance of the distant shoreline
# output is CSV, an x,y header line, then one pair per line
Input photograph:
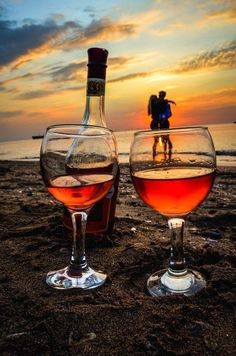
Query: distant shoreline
x,y
130,130
223,136
20,161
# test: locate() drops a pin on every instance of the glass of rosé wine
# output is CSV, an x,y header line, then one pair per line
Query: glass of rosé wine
x,y
78,166
173,172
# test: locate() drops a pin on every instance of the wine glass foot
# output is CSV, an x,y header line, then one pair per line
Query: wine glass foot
x,y
64,279
164,282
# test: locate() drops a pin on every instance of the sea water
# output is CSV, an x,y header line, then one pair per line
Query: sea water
x,y
223,135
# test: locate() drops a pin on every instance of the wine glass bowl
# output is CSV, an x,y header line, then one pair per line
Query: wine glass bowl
x,y
78,166
173,172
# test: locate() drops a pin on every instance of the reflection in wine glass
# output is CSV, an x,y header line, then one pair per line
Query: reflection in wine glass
x,y
174,187
78,165
164,143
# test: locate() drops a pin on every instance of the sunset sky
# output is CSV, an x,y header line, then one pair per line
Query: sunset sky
x,y
186,47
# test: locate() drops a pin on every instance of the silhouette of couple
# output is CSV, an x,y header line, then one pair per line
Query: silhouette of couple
x,y
160,111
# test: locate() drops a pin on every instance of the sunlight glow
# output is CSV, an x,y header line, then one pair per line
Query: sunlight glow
x,y
187,50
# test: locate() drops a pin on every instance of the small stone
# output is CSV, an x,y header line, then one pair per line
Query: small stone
x,y
63,250
16,335
193,229
149,346
91,336
213,235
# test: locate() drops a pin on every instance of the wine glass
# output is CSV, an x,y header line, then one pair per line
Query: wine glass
x,y
173,171
78,165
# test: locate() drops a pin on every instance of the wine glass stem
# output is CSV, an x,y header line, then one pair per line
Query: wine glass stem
x,y
78,259
177,264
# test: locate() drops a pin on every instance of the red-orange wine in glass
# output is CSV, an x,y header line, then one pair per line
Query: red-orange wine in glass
x,y
78,164
173,172
80,192
172,195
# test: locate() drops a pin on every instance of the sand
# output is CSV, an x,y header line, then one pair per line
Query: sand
x,y
119,318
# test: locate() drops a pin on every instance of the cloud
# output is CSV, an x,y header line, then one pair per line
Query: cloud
x,y
77,70
40,93
228,12
117,62
74,71
18,77
130,76
21,44
57,17
35,113
68,72
16,42
71,72
90,11
221,57
8,114
35,94
99,30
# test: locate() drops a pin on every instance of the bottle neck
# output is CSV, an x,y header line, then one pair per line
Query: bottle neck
x,y
94,111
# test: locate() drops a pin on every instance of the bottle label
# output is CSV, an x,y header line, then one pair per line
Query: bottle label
x,y
95,87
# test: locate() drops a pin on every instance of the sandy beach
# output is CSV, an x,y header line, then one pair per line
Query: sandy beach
x,y
119,318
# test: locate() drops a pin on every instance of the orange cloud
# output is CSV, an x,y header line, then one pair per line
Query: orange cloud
x,y
119,62
77,70
217,98
22,44
99,30
130,76
228,13
19,77
221,57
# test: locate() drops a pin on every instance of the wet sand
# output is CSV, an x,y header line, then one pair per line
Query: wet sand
x,y
119,318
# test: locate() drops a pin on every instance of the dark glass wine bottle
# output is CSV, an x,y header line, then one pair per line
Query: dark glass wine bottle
x,y
102,216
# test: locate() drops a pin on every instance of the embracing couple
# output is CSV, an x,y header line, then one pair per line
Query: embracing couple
x,y
160,111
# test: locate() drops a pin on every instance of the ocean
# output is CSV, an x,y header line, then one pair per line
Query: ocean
x,y
223,135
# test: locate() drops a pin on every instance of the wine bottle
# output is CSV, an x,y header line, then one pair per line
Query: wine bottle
x,y
102,216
